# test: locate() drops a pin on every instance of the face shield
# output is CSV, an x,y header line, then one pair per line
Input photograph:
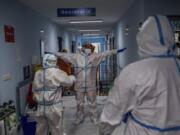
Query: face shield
x,y
87,51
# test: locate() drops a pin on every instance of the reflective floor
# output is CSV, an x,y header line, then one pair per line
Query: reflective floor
x,y
85,128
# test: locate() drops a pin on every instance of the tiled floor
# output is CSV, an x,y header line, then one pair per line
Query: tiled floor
x,y
87,127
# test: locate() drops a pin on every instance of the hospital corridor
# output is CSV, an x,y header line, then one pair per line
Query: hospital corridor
x,y
89,67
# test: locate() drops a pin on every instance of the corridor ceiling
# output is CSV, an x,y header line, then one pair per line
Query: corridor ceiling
x,y
109,11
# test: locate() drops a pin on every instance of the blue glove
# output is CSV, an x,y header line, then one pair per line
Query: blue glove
x,y
121,50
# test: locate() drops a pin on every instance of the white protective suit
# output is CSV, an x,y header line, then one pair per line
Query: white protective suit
x,y
48,94
149,88
85,71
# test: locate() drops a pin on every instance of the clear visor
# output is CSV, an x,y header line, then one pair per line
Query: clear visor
x,y
52,62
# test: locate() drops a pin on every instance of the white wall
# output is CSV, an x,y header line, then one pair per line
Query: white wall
x,y
27,24
138,12
131,19
67,40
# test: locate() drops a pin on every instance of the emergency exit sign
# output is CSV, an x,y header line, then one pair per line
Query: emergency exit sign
x,y
73,12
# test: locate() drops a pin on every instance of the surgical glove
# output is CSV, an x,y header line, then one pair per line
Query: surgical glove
x,y
121,50
106,129
73,78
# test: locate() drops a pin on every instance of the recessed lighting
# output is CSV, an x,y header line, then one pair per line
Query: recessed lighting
x,y
88,21
91,34
89,30
41,31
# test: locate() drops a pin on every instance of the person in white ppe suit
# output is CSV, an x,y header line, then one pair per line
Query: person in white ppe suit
x,y
48,96
86,63
146,95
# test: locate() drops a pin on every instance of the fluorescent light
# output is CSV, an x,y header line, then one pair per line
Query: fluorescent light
x,y
41,31
89,30
91,34
90,21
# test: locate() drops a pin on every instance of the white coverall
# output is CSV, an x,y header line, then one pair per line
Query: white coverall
x,y
49,112
85,72
149,88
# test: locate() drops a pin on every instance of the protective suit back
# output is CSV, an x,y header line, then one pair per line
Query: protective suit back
x,y
150,88
47,92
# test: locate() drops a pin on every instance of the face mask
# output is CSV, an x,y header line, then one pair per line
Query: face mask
x,y
87,51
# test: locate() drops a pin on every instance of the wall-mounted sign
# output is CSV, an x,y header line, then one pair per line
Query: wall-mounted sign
x,y
72,12
9,33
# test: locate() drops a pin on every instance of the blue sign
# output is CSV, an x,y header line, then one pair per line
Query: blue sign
x,y
73,12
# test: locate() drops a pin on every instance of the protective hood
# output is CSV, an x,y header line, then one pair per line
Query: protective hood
x,y
155,37
49,60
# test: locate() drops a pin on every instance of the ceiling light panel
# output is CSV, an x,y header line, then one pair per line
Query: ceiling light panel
x,y
90,30
86,21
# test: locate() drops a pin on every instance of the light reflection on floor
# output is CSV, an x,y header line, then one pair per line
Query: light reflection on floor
x,y
85,128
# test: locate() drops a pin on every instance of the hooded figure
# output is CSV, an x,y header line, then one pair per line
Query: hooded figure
x,y
146,95
86,63
47,93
